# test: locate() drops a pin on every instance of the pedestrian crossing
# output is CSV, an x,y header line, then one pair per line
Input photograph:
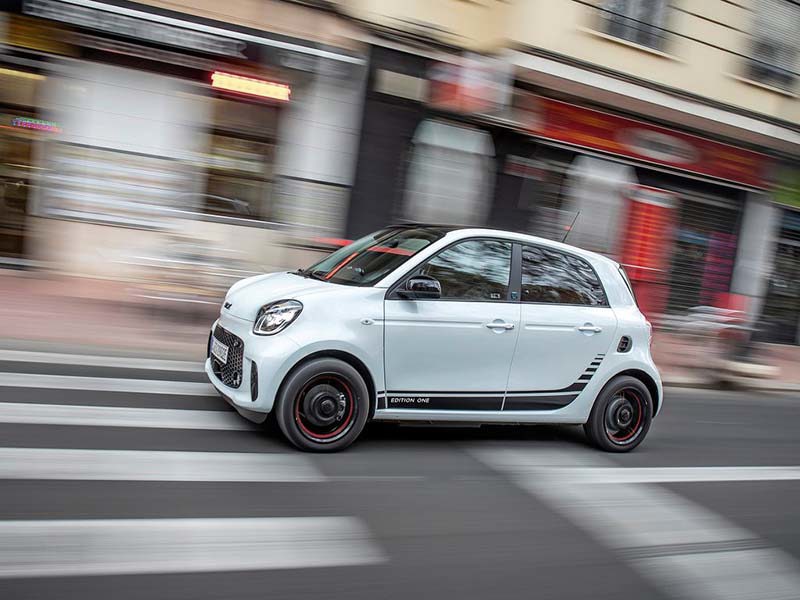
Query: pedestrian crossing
x,y
677,544
87,547
288,520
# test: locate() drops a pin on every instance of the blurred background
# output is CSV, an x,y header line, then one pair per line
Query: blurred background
x,y
152,153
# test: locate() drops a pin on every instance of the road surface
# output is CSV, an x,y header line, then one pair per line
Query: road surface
x,y
130,479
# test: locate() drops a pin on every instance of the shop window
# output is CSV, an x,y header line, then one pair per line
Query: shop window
x,y
774,43
239,163
639,21
595,194
450,175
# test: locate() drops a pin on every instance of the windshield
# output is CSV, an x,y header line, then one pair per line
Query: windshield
x,y
374,256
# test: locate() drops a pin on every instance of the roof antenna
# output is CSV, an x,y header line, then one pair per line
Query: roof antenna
x,y
571,225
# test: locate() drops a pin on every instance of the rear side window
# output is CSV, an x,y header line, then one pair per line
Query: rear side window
x,y
550,276
476,270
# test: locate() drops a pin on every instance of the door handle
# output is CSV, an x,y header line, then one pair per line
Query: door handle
x,y
500,325
589,328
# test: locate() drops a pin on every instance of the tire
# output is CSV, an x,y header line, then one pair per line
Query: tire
x,y
621,415
323,405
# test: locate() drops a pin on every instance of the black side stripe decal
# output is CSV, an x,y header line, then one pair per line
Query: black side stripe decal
x,y
538,402
421,402
469,400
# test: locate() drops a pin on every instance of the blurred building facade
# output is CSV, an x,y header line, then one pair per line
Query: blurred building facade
x,y
174,132
665,134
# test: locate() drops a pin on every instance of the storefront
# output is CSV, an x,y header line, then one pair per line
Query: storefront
x,y
173,129
22,129
424,154
666,204
780,316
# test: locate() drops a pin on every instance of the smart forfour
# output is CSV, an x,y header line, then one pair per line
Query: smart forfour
x,y
439,324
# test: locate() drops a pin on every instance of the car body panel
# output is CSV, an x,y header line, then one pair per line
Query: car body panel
x,y
431,343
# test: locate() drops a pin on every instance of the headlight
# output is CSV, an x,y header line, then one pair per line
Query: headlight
x,y
276,317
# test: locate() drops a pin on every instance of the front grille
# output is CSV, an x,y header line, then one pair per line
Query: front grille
x,y
231,372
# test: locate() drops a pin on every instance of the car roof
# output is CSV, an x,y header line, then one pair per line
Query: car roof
x,y
463,231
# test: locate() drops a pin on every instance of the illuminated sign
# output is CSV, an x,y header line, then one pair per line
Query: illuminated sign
x,y
250,86
38,124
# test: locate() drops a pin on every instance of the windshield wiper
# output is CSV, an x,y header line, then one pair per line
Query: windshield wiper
x,y
318,274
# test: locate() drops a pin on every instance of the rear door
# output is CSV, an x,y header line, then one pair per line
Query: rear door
x,y
454,353
566,329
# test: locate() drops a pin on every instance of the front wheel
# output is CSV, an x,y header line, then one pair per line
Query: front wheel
x,y
621,415
323,405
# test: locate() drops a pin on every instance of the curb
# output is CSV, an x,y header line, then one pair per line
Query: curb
x,y
734,386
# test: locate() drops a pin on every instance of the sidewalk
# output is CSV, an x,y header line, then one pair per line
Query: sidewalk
x,y
685,361
98,317
51,313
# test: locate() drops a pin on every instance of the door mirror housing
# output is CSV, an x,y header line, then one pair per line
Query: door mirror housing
x,y
419,287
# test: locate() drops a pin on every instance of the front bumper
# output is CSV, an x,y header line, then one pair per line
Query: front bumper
x,y
272,356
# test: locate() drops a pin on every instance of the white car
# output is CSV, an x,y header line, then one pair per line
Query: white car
x,y
439,324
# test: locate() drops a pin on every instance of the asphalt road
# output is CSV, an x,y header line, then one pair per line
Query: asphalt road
x,y
109,492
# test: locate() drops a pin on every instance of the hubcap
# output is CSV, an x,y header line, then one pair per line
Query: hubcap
x,y
324,408
624,416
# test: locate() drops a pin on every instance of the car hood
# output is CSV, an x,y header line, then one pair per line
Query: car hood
x,y
247,296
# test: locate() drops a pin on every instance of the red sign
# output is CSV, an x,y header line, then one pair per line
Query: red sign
x,y
573,124
647,244
471,84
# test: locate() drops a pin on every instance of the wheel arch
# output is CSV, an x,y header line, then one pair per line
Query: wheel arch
x,y
345,357
649,383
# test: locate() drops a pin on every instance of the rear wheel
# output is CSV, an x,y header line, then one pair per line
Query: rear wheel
x,y
323,405
621,415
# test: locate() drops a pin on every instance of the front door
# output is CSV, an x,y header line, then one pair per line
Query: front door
x,y
454,353
566,330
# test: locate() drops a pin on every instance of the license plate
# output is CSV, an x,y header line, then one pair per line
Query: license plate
x,y
219,350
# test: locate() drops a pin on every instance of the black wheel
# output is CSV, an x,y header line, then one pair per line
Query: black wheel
x,y
323,405
621,415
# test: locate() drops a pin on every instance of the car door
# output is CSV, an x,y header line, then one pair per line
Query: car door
x,y
566,329
454,352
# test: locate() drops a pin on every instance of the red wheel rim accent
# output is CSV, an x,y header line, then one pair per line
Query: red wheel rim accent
x,y
324,437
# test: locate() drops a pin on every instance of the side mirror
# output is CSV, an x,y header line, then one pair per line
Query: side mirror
x,y
421,286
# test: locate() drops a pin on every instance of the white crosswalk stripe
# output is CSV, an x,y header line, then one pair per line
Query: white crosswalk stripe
x,y
49,548
148,465
672,474
127,362
682,547
93,547
112,416
106,384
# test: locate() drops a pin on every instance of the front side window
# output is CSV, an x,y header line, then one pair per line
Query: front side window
x,y
553,277
638,21
477,270
374,256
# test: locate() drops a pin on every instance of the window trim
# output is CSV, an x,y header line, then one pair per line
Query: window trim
x,y
514,276
605,304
